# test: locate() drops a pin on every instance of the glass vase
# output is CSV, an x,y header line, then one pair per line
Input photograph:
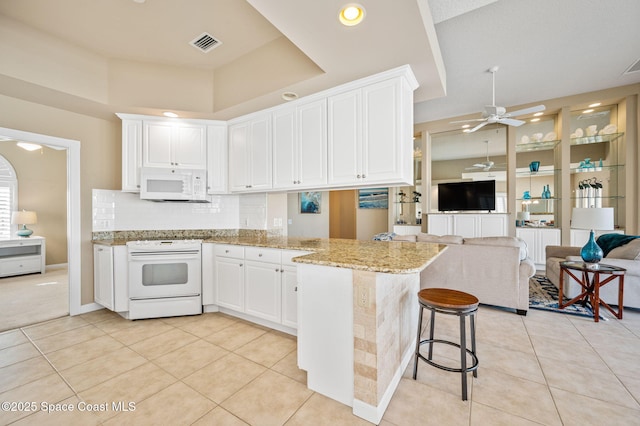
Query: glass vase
x,y
591,252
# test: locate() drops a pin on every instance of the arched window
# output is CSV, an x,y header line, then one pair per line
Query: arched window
x,y
8,196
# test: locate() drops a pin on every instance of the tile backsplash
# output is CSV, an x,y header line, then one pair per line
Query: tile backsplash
x,y
125,211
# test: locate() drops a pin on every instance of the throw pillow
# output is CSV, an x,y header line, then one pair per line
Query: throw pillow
x,y
630,251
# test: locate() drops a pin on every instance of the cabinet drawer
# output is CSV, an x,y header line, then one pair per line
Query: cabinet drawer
x,y
262,254
237,252
287,255
20,265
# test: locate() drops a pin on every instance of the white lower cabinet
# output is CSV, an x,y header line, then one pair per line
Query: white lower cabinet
x,y
110,278
537,240
258,282
469,225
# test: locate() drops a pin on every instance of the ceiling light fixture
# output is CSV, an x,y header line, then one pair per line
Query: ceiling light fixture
x,y
29,146
170,114
587,111
533,120
289,96
538,114
596,104
465,126
351,14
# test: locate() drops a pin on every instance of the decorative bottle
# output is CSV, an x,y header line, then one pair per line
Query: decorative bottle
x,y
591,252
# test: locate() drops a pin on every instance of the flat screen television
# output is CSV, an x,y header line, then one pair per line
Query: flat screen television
x,y
463,196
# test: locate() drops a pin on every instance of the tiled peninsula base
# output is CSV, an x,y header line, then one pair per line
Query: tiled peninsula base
x,y
356,334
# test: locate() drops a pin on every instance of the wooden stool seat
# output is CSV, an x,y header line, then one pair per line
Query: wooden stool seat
x,y
450,302
445,298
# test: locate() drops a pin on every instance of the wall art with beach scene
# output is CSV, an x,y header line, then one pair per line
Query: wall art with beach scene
x,y
310,202
373,198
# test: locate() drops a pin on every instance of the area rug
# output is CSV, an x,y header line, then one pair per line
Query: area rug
x,y
543,295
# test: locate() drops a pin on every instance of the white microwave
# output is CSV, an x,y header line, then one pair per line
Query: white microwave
x,y
169,184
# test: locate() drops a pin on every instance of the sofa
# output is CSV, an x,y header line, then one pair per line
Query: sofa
x,y
626,256
494,269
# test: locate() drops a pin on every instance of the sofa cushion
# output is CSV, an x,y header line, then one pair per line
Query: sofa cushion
x,y
439,239
630,251
500,241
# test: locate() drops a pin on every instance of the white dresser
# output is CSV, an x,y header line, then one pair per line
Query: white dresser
x,y
22,256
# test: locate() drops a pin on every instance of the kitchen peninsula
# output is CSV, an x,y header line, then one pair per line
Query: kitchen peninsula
x,y
356,307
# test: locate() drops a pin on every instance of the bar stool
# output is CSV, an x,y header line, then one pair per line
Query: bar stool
x,y
450,302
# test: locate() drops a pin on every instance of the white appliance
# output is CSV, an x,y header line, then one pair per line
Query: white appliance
x,y
169,184
164,278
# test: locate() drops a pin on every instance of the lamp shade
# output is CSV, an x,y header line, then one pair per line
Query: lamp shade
x,y
599,219
24,217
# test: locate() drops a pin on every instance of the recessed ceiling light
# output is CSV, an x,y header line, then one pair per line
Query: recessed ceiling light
x,y
139,1
464,126
533,120
587,111
466,130
538,114
289,96
596,104
29,146
351,14
170,114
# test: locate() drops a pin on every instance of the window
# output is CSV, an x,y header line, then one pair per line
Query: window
x,y
8,197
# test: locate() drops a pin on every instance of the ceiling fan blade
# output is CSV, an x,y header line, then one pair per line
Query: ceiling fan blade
x,y
466,121
511,121
524,111
479,126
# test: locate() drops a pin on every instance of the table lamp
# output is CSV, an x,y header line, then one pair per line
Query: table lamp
x,y
24,218
600,219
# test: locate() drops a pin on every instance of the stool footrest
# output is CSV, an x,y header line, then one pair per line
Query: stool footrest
x,y
444,367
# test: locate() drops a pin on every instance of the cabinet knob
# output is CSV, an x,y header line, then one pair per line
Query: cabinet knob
x,y
277,270
259,254
241,265
295,288
358,176
364,176
226,251
282,271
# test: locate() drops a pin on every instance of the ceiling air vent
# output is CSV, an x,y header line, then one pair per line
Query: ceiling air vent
x,y
635,67
205,42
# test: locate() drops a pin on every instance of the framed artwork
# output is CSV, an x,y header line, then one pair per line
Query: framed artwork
x,y
373,198
310,202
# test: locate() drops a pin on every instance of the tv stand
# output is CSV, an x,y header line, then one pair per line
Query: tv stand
x,y
468,225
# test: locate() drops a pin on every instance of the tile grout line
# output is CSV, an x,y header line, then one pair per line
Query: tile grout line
x,y
51,364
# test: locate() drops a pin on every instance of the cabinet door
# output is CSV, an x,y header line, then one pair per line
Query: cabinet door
x,y
103,276
262,290
344,138
285,167
530,237
312,144
289,296
440,224
208,274
260,153
381,137
238,157
229,281
156,146
217,160
189,146
493,225
131,154
548,237
466,225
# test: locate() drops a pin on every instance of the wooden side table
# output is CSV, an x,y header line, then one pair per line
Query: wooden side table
x,y
591,285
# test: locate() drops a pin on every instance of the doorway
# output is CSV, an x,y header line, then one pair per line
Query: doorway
x,y
342,214
72,148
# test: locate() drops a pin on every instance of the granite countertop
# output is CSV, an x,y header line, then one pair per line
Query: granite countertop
x,y
394,257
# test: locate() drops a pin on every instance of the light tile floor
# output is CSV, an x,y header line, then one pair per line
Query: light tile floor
x,y
545,368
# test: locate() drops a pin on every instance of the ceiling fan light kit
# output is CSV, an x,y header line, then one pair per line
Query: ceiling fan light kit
x,y
497,114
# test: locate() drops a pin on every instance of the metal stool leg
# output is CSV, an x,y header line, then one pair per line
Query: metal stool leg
x,y
473,338
415,366
463,357
431,329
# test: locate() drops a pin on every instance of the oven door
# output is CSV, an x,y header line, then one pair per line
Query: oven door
x,y
162,274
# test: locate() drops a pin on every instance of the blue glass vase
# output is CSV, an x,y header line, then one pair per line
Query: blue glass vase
x,y
591,252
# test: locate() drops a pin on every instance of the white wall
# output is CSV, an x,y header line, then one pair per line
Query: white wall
x,y
307,225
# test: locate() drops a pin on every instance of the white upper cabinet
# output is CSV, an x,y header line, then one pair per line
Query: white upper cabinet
x,y
370,135
131,154
217,161
250,154
174,144
300,146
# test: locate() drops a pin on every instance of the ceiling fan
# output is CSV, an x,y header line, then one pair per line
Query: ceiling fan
x,y
497,114
487,165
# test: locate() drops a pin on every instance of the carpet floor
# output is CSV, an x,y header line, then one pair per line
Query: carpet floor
x,y
543,295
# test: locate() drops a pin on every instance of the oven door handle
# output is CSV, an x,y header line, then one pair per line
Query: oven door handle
x,y
157,255
166,297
